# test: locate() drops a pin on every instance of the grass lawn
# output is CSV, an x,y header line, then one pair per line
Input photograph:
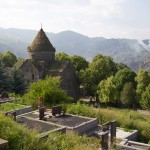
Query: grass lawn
x,y
128,119
10,106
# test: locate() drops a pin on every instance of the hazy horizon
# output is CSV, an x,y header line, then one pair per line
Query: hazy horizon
x,y
92,18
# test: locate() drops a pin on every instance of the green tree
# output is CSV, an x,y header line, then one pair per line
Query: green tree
x,y
18,82
123,76
102,67
99,69
121,66
79,63
143,80
49,89
62,56
128,95
5,83
107,90
145,98
9,59
86,79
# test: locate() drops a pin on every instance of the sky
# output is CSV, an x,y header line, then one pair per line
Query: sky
x,y
93,18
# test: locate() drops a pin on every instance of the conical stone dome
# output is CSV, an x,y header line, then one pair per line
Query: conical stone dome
x,y
41,43
41,49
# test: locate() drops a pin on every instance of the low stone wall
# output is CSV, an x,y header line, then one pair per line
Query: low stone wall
x,y
3,144
45,134
131,145
33,122
80,129
132,136
10,99
22,110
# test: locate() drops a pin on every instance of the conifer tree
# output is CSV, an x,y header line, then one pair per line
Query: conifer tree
x,y
4,79
18,82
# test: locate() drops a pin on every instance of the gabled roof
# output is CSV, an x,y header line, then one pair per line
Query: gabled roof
x,y
41,43
21,62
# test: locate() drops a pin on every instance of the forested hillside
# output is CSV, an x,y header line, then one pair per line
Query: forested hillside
x,y
134,53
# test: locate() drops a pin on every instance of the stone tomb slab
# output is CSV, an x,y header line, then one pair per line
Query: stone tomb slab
x,y
68,120
74,123
42,127
32,114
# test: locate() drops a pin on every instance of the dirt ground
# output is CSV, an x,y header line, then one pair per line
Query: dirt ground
x,y
145,112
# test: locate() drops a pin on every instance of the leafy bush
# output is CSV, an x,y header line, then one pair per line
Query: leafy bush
x,y
49,89
19,137
72,142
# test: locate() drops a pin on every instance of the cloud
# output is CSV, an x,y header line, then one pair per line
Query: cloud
x,y
107,8
71,11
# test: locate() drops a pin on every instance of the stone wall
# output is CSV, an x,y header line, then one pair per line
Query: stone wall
x,y
132,136
80,129
70,82
30,71
22,110
42,55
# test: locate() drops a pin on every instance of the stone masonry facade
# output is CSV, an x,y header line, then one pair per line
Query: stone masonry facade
x,y
42,62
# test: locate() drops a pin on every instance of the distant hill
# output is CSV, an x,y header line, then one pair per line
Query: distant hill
x,y
134,53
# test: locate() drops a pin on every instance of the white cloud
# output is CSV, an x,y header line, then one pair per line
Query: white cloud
x,y
107,7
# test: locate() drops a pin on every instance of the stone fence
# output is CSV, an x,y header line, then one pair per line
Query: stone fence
x,y
21,111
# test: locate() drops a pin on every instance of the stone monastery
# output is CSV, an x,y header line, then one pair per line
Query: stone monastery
x,y
42,62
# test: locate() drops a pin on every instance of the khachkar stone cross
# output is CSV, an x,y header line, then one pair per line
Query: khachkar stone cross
x,y
12,115
41,113
113,131
40,102
104,140
41,108
106,128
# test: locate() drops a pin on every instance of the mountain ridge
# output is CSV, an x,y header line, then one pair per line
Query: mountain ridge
x,y
132,52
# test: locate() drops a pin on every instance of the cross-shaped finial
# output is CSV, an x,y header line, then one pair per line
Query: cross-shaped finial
x,y
41,24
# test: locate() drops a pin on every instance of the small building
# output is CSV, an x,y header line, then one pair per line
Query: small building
x,y
42,62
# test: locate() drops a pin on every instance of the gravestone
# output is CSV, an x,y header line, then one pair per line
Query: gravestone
x,y
4,95
56,110
11,115
104,141
41,113
90,101
105,126
113,131
40,102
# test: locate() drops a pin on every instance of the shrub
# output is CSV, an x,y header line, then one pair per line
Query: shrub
x,y
49,89
72,142
20,137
